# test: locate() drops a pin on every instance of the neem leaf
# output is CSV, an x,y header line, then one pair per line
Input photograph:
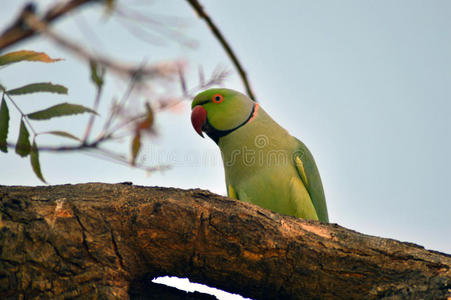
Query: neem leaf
x,y
59,110
148,121
38,87
17,56
63,134
23,143
136,145
4,124
96,75
34,159
145,124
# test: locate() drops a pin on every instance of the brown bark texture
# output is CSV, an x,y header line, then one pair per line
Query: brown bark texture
x,y
107,241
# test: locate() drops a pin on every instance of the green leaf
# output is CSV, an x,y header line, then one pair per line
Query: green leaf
x,y
4,124
23,143
38,87
64,109
22,55
34,159
96,75
63,134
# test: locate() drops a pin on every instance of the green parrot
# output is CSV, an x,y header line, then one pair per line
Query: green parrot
x,y
263,163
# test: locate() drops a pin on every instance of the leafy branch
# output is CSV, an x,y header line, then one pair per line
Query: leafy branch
x,y
117,124
139,124
23,147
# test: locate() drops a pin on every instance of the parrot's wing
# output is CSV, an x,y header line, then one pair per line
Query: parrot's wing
x,y
301,199
231,192
309,174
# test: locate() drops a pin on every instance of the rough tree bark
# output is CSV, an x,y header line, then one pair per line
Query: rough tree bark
x,y
107,241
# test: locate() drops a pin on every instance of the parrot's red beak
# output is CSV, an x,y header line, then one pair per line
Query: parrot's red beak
x,y
198,118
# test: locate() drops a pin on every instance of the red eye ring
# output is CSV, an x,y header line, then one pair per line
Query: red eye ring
x,y
217,98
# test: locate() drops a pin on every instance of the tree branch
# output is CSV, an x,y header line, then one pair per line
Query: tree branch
x,y
228,49
18,31
108,241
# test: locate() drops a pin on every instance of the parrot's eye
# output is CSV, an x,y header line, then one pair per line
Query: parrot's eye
x,y
218,98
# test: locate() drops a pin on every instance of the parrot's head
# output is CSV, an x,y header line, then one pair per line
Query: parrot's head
x,y
218,112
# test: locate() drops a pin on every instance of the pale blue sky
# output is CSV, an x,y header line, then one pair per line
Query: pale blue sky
x,y
365,84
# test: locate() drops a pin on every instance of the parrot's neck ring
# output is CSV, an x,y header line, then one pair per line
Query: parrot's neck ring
x,y
216,134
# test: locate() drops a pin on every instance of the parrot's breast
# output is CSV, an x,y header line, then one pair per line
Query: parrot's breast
x,y
259,165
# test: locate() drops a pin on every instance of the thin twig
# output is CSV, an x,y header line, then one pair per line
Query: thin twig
x,y
65,148
117,158
121,104
217,77
127,122
23,116
217,33
104,154
165,28
93,116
